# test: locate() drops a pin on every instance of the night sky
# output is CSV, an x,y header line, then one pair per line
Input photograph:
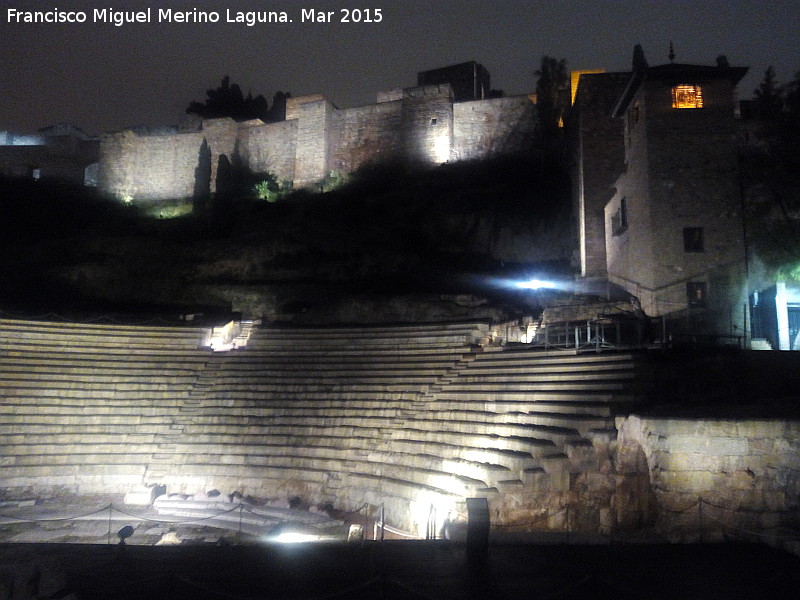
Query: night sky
x,y
102,77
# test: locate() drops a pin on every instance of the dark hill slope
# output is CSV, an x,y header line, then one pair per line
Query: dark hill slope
x,y
386,233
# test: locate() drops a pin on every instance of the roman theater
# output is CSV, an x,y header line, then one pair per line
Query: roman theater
x,y
652,396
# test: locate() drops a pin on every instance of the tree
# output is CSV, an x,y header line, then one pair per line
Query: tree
x,y
768,96
792,109
771,177
227,101
550,87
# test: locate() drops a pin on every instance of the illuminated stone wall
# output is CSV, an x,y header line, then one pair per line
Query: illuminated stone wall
x,y
221,135
149,167
270,148
493,127
366,134
418,126
427,125
746,474
313,143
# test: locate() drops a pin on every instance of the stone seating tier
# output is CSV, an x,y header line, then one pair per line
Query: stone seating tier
x,y
347,415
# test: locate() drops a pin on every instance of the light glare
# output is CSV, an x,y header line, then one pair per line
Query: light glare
x,y
292,537
536,284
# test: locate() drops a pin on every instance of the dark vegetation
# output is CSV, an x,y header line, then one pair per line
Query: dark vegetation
x,y
227,100
387,230
771,175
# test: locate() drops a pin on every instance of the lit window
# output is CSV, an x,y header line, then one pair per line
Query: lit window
x,y
693,239
696,293
687,96
619,220
36,174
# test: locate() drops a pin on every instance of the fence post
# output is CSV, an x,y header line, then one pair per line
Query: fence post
x,y
383,521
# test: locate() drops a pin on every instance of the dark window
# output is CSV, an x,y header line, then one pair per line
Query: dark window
x,y
433,121
619,220
696,293
693,239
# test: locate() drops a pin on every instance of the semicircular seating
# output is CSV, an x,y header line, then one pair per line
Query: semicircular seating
x,y
412,417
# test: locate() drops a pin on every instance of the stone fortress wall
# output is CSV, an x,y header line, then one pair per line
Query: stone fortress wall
x,y
418,126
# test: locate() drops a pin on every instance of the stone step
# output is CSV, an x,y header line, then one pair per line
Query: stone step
x,y
503,379
525,367
526,405
68,365
583,396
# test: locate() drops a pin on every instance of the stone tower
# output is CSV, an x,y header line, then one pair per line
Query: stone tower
x,y
673,228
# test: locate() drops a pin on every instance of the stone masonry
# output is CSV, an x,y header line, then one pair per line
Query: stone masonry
x,y
420,126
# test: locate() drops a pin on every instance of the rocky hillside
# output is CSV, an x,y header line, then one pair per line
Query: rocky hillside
x,y
388,241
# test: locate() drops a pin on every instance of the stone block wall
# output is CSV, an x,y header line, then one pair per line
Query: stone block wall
x,y
427,124
149,167
681,172
271,148
222,138
694,179
419,126
490,127
366,134
312,145
718,478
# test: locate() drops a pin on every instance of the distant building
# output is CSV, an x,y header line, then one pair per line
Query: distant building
x,y
469,80
58,153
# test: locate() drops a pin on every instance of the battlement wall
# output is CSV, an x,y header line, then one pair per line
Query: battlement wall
x,y
484,128
421,126
366,134
149,167
271,147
